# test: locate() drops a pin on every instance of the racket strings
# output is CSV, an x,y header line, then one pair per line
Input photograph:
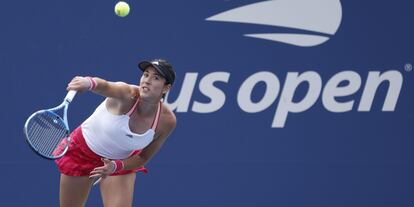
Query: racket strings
x,y
45,132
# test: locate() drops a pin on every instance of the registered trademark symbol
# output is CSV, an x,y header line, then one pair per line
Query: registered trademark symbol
x,y
408,67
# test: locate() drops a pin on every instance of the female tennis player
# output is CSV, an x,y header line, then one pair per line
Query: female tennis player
x,y
119,138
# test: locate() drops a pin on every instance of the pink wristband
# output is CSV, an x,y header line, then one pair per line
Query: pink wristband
x,y
92,83
119,165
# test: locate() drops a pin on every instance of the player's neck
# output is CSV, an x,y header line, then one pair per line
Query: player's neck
x,y
147,107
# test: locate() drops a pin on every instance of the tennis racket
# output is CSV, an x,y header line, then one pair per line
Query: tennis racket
x,y
47,133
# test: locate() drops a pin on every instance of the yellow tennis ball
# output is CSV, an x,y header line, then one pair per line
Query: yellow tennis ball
x,y
122,9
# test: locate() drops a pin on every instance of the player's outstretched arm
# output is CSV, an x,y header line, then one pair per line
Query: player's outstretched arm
x,y
116,90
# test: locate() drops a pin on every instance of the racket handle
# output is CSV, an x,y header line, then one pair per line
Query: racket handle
x,y
97,181
71,94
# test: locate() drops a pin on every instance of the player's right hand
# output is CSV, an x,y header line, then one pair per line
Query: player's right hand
x,y
79,83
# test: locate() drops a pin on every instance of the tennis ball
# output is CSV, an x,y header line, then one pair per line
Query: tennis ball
x,y
122,9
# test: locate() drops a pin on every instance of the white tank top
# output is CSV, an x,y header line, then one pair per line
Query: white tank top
x,y
109,135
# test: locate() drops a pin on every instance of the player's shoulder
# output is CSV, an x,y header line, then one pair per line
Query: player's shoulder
x,y
134,91
168,117
130,89
122,83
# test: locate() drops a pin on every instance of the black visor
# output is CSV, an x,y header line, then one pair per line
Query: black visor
x,y
162,67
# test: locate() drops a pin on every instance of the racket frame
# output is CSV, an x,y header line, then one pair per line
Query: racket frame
x,y
65,105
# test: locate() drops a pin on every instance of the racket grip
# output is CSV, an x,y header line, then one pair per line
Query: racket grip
x,y
71,94
97,181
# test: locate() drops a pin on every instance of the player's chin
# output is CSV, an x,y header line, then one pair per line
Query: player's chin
x,y
148,96
145,95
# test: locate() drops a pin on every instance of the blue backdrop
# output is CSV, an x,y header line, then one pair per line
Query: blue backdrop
x,y
232,87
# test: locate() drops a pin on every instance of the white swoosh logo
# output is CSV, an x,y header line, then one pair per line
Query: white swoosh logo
x,y
318,16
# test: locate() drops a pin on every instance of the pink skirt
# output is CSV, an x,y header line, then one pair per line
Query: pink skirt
x,y
79,160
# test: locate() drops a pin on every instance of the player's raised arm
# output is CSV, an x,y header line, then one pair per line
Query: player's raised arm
x,y
117,90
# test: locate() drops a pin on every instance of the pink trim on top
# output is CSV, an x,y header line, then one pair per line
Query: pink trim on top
x,y
133,108
157,117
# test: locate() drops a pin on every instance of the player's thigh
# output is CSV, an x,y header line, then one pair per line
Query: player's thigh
x,y
74,190
118,191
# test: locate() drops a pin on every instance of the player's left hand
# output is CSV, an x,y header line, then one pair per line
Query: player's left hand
x,y
103,171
